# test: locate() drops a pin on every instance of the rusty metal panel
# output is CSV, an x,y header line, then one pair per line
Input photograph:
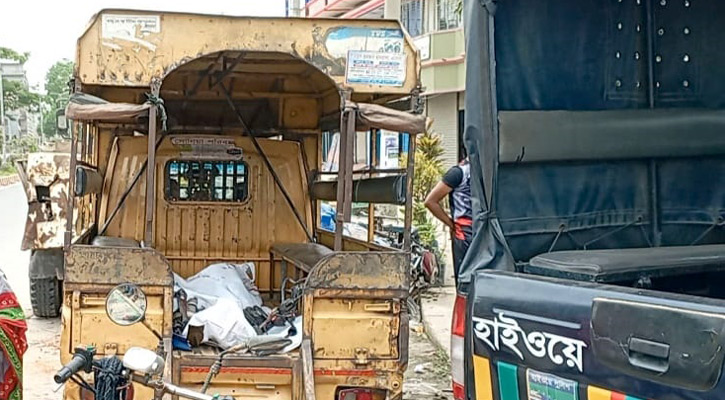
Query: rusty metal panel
x,y
116,265
371,329
327,238
45,225
362,270
193,235
129,48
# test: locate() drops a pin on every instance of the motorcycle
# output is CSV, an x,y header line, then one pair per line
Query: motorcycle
x,y
113,378
424,270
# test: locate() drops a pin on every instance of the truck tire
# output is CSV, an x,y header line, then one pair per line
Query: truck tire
x,y
46,290
46,295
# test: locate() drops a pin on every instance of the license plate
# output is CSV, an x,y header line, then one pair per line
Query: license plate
x,y
543,386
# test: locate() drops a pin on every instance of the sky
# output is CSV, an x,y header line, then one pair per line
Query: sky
x,y
48,29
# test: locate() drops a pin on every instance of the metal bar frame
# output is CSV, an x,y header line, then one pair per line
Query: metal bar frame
x,y
71,185
373,164
341,162
267,163
151,172
410,175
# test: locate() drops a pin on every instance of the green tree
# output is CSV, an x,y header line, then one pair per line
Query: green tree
x,y
56,86
10,54
428,171
17,96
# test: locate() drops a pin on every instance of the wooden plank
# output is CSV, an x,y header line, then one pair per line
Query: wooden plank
x,y
308,373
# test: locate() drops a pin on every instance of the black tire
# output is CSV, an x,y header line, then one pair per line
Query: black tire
x,y
46,290
46,296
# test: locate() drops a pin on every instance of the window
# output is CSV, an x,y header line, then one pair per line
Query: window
x,y
448,15
411,16
206,181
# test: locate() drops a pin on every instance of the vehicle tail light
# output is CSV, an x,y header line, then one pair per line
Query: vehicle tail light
x,y
458,331
361,394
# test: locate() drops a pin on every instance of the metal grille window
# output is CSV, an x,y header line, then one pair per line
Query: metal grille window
x,y
225,181
448,15
411,15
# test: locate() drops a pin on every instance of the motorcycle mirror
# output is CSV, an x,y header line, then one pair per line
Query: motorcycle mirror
x,y
126,304
143,361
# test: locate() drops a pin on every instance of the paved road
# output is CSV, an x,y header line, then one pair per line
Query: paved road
x,y
41,360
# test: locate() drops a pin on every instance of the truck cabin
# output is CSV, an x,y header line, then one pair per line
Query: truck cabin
x,y
198,141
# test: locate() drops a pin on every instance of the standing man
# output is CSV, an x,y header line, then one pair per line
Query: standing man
x,y
456,184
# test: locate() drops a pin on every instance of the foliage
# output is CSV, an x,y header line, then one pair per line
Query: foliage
x,y
459,7
18,96
56,86
428,165
7,169
428,171
10,54
56,83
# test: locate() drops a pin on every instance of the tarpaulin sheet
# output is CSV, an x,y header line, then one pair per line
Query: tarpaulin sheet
x,y
379,117
581,56
85,107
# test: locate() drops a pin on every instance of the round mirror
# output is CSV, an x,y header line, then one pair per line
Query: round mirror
x,y
126,304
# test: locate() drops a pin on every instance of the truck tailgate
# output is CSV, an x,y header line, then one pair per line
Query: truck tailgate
x,y
564,340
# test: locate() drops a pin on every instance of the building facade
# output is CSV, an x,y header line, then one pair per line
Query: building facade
x,y
17,122
437,31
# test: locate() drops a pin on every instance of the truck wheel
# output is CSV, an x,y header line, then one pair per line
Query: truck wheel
x,y
46,290
46,296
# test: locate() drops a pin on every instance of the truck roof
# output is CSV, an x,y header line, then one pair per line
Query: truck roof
x,y
130,48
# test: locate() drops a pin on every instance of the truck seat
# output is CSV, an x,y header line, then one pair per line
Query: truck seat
x,y
628,264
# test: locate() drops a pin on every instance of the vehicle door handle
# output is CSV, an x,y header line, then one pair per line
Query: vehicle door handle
x,y
649,355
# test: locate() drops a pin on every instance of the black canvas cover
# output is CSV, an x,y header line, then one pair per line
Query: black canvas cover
x,y
583,61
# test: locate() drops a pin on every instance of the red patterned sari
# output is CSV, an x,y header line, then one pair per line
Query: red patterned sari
x,y
12,343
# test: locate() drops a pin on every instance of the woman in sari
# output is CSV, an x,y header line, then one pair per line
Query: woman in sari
x,y
12,343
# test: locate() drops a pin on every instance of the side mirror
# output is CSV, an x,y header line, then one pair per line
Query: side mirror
x,y
88,181
143,361
61,123
126,304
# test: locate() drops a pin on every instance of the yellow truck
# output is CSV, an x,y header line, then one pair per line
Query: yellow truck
x,y
197,140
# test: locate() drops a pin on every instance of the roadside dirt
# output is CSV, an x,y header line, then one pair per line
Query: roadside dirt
x,y
428,374
427,377
42,360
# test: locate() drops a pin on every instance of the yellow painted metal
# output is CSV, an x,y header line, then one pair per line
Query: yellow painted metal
x,y
482,371
595,393
329,316
109,56
286,76
193,235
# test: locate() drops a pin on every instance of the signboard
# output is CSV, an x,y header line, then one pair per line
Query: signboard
x,y
543,386
423,44
375,68
341,40
117,26
208,148
389,149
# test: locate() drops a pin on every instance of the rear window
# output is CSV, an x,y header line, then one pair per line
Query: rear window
x,y
199,180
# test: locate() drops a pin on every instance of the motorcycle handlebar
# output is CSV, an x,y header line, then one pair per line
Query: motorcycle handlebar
x,y
77,364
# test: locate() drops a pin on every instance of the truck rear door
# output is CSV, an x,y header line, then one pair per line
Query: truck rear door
x,y
532,337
